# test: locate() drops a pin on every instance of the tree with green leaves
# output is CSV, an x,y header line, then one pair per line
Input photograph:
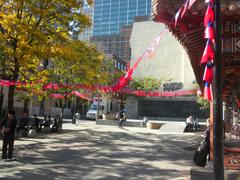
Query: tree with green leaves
x,y
80,63
205,105
34,31
146,84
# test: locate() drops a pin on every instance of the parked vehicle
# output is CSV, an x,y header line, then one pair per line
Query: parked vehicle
x,y
92,112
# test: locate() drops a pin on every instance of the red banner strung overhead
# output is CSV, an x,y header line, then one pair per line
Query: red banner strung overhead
x,y
104,89
52,86
57,96
123,81
8,83
147,54
81,95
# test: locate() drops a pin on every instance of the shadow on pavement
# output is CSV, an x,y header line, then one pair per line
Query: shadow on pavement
x,y
91,154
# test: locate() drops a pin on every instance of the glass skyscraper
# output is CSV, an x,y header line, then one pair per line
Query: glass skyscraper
x,y
110,15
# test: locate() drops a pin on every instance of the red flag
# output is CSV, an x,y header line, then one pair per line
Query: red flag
x,y
209,32
209,16
208,53
208,74
208,92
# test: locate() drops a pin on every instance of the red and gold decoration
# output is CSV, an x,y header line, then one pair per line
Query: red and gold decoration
x,y
208,54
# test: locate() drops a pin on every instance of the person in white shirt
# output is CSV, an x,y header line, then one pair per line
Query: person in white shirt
x,y
144,121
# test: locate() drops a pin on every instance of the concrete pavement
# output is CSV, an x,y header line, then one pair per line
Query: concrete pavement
x,y
88,151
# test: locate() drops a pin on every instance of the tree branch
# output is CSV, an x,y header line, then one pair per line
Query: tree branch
x,y
2,29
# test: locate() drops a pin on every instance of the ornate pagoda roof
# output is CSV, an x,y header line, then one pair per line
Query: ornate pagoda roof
x,y
190,31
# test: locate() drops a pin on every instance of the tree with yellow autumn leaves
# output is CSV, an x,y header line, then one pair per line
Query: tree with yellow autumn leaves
x,y
35,31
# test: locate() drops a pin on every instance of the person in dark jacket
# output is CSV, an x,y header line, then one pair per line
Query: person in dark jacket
x,y
8,127
36,123
122,118
23,124
201,156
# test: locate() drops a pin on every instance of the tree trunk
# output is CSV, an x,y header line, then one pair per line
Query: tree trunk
x,y
1,102
64,105
25,108
121,103
11,90
62,113
42,107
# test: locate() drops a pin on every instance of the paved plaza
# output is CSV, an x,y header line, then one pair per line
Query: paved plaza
x,y
90,151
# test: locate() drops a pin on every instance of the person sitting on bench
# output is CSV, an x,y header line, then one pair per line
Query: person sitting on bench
x,y
46,123
144,121
122,118
23,124
35,123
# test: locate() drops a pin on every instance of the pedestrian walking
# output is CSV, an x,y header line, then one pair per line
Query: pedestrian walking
x,y
8,127
77,117
55,124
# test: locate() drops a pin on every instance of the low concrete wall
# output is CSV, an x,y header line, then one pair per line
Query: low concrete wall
x,y
201,173
128,123
116,123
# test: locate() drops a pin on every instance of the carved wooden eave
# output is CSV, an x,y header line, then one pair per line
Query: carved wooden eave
x,y
190,31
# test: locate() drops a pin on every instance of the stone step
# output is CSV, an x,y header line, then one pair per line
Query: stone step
x,y
127,123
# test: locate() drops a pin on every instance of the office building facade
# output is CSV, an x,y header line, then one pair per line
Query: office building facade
x,y
111,15
116,44
88,32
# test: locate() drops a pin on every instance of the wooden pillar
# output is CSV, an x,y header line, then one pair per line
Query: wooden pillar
x,y
211,131
218,163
